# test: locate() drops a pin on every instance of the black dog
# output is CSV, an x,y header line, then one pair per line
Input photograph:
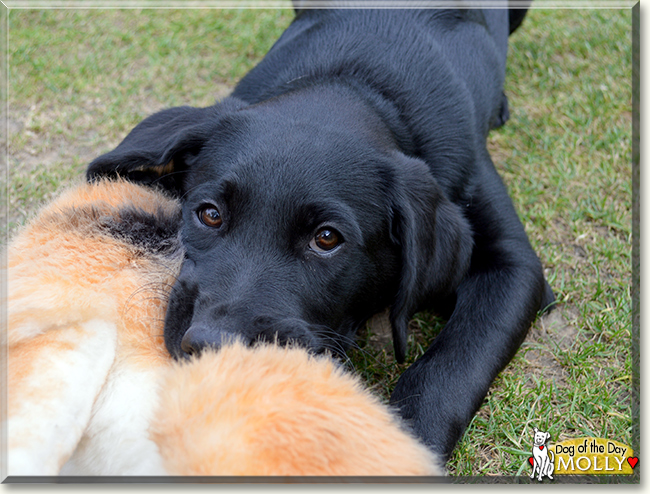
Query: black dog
x,y
348,172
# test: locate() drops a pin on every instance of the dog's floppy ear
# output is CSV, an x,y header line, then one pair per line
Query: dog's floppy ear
x,y
153,152
435,242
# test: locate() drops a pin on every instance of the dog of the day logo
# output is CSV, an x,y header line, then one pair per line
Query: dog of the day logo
x,y
581,456
542,459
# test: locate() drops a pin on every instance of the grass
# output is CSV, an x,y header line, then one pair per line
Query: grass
x,y
79,80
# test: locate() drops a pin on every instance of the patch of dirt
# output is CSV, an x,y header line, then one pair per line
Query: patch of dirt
x,y
380,333
40,149
561,326
14,126
556,330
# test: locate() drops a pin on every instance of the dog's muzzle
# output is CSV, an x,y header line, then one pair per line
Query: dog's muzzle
x,y
200,337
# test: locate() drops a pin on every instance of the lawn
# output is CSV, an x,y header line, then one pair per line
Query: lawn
x,y
79,80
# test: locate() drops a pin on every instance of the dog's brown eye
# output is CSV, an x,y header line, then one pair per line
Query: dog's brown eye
x,y
209,216
325,240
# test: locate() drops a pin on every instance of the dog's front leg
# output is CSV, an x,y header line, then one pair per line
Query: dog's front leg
x,y
440,392
495,305
543,467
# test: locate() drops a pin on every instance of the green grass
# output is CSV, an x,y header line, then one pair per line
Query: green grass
x,y
566,158
79,80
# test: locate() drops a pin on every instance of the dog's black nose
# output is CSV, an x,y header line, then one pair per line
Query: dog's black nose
x,y
200,337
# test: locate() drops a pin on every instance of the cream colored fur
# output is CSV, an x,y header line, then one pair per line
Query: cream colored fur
x,y
92,390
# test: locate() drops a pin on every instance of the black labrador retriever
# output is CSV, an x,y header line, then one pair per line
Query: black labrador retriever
x,y
348,172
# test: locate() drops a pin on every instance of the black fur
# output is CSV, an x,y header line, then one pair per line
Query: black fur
x,y
372,124
156,233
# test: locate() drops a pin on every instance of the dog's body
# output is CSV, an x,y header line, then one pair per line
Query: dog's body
x,y
349,172
542,461
93,391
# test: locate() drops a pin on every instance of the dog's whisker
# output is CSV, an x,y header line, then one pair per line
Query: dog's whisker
x,y
191,189
168,174
154,292
353,343
406,398
150,288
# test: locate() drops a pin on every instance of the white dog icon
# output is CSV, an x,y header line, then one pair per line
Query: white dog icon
x,y
541,461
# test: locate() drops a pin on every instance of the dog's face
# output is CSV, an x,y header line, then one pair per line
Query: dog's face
x,y
280,242
540,437
301,220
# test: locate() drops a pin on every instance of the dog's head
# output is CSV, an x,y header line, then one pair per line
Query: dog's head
x,y
301,219
540,437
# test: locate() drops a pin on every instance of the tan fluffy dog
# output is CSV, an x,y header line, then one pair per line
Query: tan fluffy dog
x,y
92,390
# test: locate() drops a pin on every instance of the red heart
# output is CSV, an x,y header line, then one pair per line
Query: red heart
x,y
531,460
541,447
633,460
